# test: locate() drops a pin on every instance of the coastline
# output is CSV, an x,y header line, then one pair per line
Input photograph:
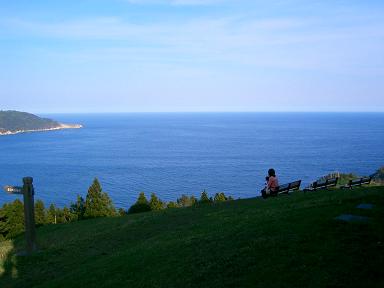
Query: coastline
x,y
62,126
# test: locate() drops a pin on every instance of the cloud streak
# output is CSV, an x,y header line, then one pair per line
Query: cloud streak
x,y
176,54
295,43
177,2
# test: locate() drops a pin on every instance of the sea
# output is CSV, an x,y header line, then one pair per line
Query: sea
x,y
172,154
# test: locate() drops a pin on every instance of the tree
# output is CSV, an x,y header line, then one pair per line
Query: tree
x,y
183,201
155,203
40,214
97,202
68,215
12,219
220,197
52,214
142,199
204,197
141,205
78,208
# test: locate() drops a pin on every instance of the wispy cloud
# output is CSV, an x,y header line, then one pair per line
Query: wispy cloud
x,y
245,52
116,28
221,32
177,2
221,38
274,42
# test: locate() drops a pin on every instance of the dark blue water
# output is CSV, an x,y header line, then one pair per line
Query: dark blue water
x,y
175,154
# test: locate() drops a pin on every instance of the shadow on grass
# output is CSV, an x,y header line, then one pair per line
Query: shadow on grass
x,y
10,251
8,263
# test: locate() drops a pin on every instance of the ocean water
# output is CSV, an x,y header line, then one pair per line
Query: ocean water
x,y
183,153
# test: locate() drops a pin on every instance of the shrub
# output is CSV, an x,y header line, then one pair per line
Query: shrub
x,y
141,205
121,212
185,201
171,204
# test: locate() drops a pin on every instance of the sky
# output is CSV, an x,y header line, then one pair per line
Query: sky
x,y
73,56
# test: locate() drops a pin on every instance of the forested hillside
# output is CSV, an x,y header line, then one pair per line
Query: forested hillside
x,y
12,121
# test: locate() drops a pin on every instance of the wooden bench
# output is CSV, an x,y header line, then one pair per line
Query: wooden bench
x,y
283,189
358,182
317,185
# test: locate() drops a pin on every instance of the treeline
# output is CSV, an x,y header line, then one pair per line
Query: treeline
x,y
154,203
96,204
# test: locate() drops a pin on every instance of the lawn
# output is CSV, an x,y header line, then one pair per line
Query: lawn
x,y
284,241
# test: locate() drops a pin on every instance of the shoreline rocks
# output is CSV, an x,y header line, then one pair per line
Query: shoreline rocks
x,y
60,127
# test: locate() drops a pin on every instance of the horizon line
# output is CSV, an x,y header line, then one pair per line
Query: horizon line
x,y
32,111
202,112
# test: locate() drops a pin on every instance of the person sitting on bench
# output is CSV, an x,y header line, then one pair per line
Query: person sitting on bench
x,y
272,184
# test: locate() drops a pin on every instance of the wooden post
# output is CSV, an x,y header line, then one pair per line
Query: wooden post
x,y
29,214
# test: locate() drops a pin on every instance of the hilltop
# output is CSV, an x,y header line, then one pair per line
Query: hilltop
x,y
12,122
285,241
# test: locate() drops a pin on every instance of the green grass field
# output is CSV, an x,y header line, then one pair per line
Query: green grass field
x,y
284,241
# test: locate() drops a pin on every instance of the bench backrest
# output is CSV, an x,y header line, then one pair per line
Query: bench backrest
x,y
332,182
285,188
295,185
360,181
366,180
325,184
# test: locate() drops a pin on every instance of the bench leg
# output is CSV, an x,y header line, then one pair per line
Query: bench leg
x,y
264,194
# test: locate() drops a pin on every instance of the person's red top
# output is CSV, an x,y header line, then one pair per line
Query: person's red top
x,y
272,183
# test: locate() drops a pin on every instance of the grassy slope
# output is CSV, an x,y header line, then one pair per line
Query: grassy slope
x,y
246,243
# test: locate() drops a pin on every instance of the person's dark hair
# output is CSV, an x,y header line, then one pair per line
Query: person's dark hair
x,y
271,172
267,178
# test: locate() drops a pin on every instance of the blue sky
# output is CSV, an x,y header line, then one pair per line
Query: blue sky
x,y
191,55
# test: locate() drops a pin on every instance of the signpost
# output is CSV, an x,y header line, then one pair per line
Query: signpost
x,y
29,210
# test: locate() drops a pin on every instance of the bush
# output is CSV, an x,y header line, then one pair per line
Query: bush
x,y
121,212
185,201
378,176
171,204
139,208
141,205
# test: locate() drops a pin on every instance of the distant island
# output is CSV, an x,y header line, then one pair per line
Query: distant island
x,y
14,122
